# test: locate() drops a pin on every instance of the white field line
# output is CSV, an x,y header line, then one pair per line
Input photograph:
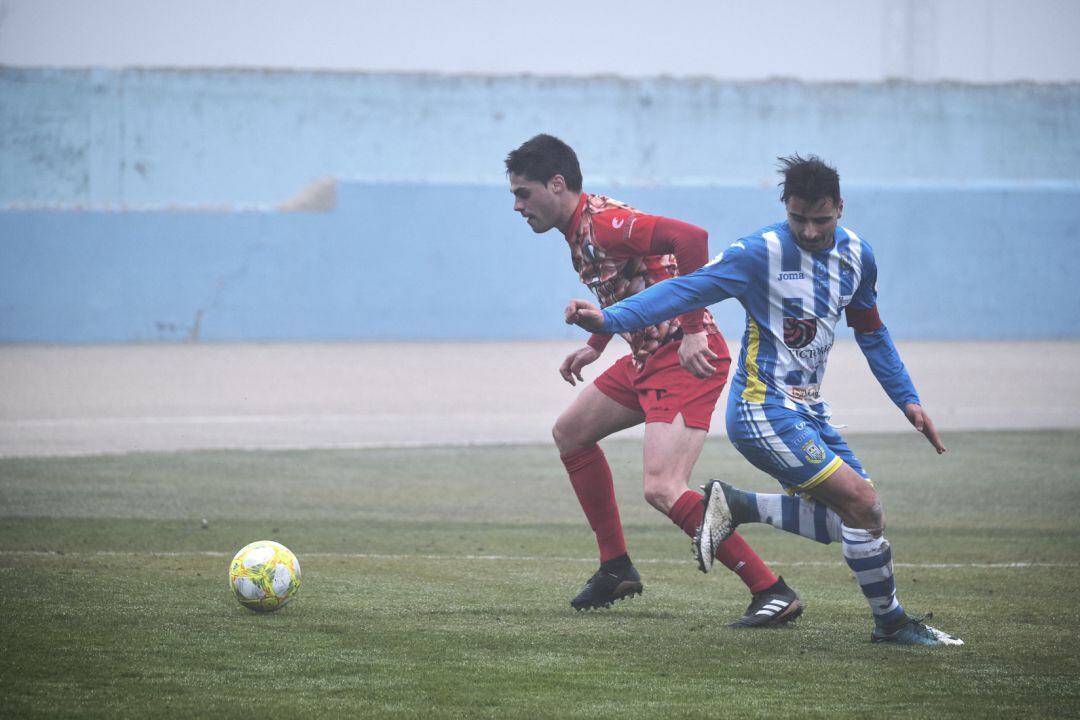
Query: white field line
x,y
516,558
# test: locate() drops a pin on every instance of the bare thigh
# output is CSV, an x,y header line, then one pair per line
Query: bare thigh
x,y
670,452
591,418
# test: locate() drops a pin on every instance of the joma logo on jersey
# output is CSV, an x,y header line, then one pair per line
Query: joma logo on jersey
x,y
791,276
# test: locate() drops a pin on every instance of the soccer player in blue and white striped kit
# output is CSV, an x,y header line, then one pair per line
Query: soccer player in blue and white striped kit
x,y
794,279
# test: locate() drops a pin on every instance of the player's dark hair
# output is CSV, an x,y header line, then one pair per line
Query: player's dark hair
x,y
810,179
543,157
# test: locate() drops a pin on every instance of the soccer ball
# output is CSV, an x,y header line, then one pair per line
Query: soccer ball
x,y
264,576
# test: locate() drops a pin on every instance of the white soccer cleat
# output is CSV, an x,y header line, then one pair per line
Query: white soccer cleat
x,y
716,526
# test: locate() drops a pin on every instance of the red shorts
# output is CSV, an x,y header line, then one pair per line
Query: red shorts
x,y
664,389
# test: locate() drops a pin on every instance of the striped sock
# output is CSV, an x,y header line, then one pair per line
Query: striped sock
x,y
798,515
870,558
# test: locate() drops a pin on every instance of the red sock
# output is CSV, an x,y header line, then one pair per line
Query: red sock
x,y
591,478
736,555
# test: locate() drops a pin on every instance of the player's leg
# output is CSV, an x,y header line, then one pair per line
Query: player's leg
x,y
810,458
670,452
798,514
671,449
787,446
869,555
592,416
863,543
678,412
820,465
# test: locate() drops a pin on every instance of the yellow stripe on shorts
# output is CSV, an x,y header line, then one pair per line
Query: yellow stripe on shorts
x,y
825,474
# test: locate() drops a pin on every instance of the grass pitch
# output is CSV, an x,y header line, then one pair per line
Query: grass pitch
x,y
436,584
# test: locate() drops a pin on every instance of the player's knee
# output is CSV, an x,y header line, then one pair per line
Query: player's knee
x,y
560,436
661,491
656,497
866,512
565,437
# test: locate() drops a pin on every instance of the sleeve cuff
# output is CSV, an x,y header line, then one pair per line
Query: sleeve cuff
x,y
693,321
599,341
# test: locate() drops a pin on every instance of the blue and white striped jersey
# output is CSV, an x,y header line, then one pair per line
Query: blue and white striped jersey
x,y
793,300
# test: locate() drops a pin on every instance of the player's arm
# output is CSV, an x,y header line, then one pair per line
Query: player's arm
x,y
726,276
690,246
719,280
575,361
662,301
599,341
881,355
877,346
650,306
630,234
888,368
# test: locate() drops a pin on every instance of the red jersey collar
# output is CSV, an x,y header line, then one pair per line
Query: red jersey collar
x,y
575,219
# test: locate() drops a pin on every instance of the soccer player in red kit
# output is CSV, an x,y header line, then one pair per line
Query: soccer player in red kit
x,y
670,380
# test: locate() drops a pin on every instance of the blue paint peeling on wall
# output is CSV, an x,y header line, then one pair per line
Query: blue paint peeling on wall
x,y
158,137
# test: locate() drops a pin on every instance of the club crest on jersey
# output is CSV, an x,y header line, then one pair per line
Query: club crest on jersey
x,y
799,332
814,453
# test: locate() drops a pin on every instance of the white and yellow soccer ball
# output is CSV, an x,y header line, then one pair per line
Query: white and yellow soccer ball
x,y
264,576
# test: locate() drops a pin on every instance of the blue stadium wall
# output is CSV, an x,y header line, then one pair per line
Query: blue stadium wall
x,y
139,205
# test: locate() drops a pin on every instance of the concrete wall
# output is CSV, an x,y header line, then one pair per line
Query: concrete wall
x,y
970,195
218,138
429,261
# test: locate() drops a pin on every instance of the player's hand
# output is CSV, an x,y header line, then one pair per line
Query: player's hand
x,y
695,354
922,422
584,314
571,366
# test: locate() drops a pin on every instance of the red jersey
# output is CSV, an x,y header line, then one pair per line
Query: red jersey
x,y
610,244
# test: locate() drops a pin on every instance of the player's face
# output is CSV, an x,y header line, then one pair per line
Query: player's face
x,y
538,202
813,224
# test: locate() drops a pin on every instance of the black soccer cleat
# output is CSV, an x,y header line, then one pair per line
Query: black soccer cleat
x,y
776,605
605,587
913,630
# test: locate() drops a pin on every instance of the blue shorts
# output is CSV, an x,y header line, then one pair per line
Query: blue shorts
x,y
797,448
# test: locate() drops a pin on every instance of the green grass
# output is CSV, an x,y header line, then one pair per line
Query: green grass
x,y
436,584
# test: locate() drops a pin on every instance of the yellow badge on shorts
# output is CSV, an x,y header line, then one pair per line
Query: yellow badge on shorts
x,y
814,453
